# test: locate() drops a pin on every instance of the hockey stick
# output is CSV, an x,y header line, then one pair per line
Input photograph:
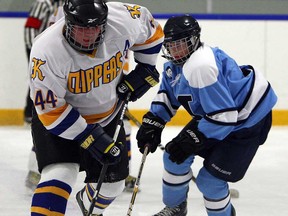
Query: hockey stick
x,y
234,193
136,186
105,165
132,118
96,192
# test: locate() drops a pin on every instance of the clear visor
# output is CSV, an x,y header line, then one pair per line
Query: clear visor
x,y
85,38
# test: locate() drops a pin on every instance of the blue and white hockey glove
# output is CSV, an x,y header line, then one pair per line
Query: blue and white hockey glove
x,y
138,82
102,147
189,141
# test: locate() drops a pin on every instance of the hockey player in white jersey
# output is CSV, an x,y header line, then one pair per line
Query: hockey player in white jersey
x,y
75,68
33,176
231,109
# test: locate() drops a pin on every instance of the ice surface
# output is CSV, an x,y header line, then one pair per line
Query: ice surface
x,y
263,191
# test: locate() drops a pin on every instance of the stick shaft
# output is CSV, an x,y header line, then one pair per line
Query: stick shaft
x,y
132,118
105,166
136,186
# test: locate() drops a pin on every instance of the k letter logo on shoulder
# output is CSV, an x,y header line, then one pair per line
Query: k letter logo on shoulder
x,y
134,11
36,71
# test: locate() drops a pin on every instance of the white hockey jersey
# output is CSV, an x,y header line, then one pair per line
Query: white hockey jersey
x,y
72,90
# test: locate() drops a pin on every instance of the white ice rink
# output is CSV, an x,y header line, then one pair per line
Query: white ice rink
x,y
263,192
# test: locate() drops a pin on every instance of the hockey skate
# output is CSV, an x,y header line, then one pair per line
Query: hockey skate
x,y
179,210
130,182
32,180
79,198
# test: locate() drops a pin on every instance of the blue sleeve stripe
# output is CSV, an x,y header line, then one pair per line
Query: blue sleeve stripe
x,y
152,50
68,121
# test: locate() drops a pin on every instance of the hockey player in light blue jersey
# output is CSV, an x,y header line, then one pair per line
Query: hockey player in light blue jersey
x,y
231,109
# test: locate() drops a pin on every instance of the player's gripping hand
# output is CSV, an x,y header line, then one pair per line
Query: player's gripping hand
x,y
150,132
138,82
189,141
102,147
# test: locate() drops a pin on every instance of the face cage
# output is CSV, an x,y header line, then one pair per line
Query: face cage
x,y
178,51
72,31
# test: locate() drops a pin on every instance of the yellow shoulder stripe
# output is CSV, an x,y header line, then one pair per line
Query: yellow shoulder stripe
x,y
157,35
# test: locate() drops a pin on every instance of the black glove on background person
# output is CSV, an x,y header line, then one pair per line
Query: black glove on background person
x,y
102,147
150,132
138,82
189,141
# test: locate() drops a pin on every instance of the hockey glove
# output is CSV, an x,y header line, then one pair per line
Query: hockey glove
x,y
150,132
138,82
189,141
102,147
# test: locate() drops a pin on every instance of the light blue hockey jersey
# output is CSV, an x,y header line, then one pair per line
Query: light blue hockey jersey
x,y
210,84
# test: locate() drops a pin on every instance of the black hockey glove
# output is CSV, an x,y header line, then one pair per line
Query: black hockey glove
x,y
150,132
138,82
102,147
189,141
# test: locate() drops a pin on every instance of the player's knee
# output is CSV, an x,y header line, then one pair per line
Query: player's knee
x,y
174,167
64,172
210,186
112,189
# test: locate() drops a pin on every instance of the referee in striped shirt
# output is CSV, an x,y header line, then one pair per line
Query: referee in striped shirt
x,y
37,22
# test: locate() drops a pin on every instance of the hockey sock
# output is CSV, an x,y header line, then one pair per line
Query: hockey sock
x,y
215,192
108,193
218,207
176,178
50,198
